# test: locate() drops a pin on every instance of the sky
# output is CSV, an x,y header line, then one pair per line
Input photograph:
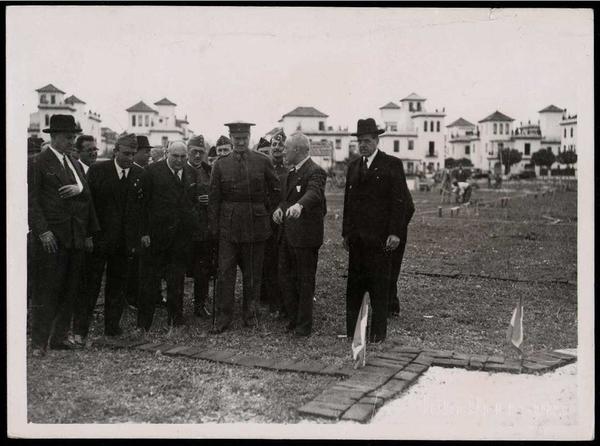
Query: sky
x,y
221,64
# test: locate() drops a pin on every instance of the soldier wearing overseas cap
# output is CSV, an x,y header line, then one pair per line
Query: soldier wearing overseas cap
x,y
223,146
212,155
242,183
270,292
116,187
202,256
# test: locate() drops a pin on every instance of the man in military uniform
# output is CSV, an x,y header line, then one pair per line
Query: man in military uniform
x,y
203,243
270,291
224,146
242,184
212,156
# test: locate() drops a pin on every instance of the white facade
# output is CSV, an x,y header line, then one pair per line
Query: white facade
x,y
568,139
463,142
52,101
494,134
313,123
160,125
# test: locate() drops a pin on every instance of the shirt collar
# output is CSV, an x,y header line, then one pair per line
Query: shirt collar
x,y
301,163
372,157
57,153
178,173
119,168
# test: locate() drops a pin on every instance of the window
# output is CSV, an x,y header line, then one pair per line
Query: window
x,y
571,132
396,146
147,120
424,126
549,149
564,148
411,145
132,120
391,126
47,119
528,149
431,148
52,99
565,132
437,126
165,141
140,121
410,106
338,144
410,167
501,129
495,128
506,128
418,106
321,125
43,99
467,150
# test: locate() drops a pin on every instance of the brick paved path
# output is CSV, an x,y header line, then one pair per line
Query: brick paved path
x,y
384,376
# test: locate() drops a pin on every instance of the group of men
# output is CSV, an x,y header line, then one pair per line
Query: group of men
x,y
204,213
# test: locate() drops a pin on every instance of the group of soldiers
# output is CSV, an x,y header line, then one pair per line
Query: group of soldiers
x,y
202,212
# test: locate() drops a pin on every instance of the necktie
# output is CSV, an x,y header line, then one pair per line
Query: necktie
x,y
364,168
123,176
70,175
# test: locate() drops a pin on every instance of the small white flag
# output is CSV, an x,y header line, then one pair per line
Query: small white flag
x,y
515,329
359,343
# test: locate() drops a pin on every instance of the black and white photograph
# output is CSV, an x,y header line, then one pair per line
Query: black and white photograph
x,y
304,222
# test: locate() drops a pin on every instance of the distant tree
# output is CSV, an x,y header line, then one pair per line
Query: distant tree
x,y
569,157
544,158
449,163
464,162
509,157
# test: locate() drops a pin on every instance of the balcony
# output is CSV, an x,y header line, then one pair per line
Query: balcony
x,y
431,155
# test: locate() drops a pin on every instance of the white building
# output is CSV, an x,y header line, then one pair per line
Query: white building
x,y
550,119
494,135
568,140
51,101
108,140
313,124
463,141
413,134
160,125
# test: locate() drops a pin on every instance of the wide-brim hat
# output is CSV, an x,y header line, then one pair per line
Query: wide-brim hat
x,y
143,143
367,126
62,124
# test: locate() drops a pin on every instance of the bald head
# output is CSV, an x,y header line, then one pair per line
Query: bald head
x,y
297,147
177,155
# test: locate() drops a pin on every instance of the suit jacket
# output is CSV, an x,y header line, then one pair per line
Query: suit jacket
x,y
307,187
169,215
378,205
119,209
239,198
71,220
201,187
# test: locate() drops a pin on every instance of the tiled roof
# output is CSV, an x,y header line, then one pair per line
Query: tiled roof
x,y
551,109
413,97
74,100
164,101
49,89
309,112
390,105
141,107
497,116
460,122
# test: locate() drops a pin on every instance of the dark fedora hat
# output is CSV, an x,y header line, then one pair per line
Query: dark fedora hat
x,y
62,124
142,142
367,126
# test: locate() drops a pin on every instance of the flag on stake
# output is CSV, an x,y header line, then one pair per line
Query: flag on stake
x,y
515,329
359,343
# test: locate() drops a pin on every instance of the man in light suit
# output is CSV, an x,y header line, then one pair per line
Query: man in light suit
x,y
375,224
300,215
63,220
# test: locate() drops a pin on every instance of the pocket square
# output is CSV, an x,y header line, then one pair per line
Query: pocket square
x,y
298,188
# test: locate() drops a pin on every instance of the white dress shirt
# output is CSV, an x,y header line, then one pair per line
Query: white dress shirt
x,y
84,166
120,170
371,158
297,167
178,173
60,157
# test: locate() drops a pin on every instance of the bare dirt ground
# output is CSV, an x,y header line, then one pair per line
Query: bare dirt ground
x,y
467,313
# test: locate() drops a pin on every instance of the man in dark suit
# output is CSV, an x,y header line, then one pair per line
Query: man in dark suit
x,y
62,219
168,222
375,223
116,187
202,256
241,184
85,151
300,215
270,292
